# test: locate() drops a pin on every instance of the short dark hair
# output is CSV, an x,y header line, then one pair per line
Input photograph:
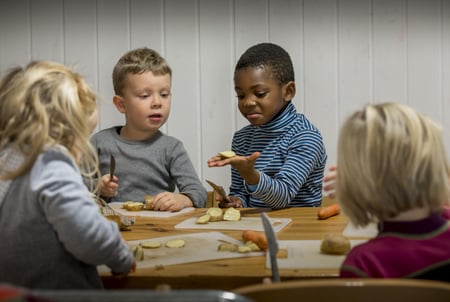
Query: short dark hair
x,y
268,55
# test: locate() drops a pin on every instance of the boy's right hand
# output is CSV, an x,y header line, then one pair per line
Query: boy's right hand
x,y
109,186
235,202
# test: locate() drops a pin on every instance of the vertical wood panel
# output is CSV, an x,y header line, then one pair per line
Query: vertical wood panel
x,y
389,50
355,56
147,28
47,25
15,33
182,53
80,38
218,100
321,91
424,56
113,42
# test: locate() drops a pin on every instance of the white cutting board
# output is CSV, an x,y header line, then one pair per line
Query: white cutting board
x,y
246,223
305,254
117,206
198,247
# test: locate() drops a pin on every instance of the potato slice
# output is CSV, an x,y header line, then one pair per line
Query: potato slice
x,y
151,244
134,206
231,214
216,214
175,243
227,154
227,247
204,219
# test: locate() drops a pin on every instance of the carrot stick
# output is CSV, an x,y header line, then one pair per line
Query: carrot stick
x,y
258,238
329,211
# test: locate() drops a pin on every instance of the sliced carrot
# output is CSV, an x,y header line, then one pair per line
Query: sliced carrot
x,y
256,237
329,211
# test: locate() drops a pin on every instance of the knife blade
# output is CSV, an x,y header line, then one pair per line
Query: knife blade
x,y
112,167
272,245
219,190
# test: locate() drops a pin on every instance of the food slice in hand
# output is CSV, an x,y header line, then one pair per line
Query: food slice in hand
x,y
227,154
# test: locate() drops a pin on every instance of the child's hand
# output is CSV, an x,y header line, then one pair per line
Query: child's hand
x,y
109,187
235,202
123,275
168,201
329,182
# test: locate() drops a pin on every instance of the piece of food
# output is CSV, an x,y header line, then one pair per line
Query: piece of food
x,y
133,206
231,214
253,246
175,243
335,244
244,249
227,154
138,252
228,247
216,214
203,219
149,200
329,211
256,237
151,244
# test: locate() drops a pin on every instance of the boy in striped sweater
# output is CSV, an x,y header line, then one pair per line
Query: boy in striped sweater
x,y
280,155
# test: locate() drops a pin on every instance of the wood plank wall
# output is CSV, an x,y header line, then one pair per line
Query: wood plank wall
x,y
346,53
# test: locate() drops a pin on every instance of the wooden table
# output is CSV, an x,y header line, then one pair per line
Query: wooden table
x,y
225,274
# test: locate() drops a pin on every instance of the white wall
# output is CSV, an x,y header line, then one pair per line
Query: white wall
x,y
346,53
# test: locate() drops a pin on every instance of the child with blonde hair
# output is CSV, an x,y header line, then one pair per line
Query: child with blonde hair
x,y
393,170
53,235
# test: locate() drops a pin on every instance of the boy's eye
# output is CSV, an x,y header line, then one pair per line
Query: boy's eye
x,y
165,94
239,97
144,96
260,95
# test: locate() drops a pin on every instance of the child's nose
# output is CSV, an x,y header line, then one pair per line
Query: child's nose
x,y
156,101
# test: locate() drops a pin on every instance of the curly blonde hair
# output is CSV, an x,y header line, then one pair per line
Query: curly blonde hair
x,y
390,159
46,104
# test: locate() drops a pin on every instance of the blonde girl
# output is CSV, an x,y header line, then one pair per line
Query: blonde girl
x,y
393,170
53,235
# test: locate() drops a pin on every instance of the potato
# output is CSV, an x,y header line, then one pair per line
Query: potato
x,y
229,247
227,154
149,200
203,219
138,252
231,214
335,244
175,243
216,214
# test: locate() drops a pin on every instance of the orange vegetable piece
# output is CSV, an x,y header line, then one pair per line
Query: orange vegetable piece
x,y
256,237
329,211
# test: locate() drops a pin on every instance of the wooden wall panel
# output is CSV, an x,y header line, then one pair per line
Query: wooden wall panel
x,y
321,69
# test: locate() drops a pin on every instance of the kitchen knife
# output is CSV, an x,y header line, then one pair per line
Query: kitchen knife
x,y
272,246
219,190
112,167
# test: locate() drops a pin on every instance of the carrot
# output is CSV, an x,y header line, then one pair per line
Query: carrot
x,y
258,238
329,211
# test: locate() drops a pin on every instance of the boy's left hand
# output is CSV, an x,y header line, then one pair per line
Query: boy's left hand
x,y
168,201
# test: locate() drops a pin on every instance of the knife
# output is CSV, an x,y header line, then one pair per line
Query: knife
x,y
273,246
219,190
112,167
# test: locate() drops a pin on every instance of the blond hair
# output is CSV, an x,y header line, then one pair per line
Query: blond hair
x,y
390,159
138,61
43,105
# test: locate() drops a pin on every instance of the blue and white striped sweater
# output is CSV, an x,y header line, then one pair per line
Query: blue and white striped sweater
x,y
291,164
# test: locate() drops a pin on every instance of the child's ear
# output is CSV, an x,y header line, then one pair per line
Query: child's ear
x,y
289,91
118,102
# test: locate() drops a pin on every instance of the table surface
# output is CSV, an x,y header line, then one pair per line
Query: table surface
x,y
225,274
